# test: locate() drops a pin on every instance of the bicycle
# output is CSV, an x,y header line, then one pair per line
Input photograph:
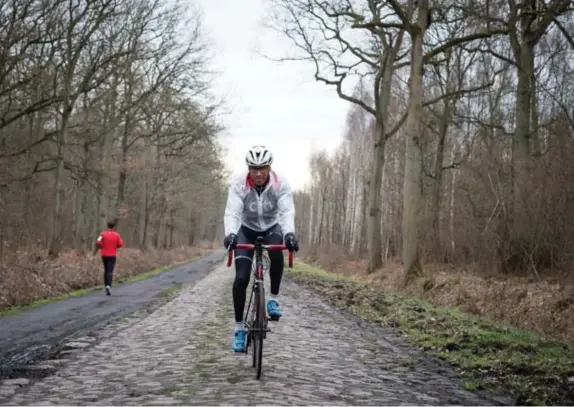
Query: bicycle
x,y
256,326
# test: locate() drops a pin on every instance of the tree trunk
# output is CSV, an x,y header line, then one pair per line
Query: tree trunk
x,y
413,156
321,223
521,233
310,235
192,229
103,204
536,143
78,215
165,235
123,169
364,215
158,221
146,209
374,233
454,174
128,128
82,204
55,241
435,236
171,231
2,227
28,203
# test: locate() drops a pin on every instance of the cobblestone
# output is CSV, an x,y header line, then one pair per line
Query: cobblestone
x,y
181,354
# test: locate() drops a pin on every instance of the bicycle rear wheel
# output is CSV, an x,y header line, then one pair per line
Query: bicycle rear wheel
x,y
259,334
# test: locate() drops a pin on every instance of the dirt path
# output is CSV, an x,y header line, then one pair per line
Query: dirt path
x,y
181,354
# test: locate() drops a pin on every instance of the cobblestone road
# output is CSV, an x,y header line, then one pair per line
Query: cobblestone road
x,y
181,354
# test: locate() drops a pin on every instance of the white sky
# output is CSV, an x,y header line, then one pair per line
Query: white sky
x,y
279,105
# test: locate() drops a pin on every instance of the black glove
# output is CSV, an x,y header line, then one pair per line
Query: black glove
x,y
230,241
291,243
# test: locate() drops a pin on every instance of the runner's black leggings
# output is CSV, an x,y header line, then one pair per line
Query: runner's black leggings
x,y
109,264
243,260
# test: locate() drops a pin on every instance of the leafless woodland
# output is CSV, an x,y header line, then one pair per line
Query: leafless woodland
x,y
106,111
459,139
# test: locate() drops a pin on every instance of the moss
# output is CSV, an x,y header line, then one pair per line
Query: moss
x,y
173,289
148,274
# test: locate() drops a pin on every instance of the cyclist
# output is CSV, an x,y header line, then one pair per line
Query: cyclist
x,y
259,203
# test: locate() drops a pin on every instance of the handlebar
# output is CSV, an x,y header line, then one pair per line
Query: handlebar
x,y
268,247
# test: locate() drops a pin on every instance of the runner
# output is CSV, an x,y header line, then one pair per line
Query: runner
x,y
108,242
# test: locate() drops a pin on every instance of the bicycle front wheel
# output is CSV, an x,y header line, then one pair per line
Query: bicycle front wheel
x,y
253,331
260,332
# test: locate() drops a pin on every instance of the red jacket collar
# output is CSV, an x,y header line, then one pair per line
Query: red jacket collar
x,y
272,179
251,183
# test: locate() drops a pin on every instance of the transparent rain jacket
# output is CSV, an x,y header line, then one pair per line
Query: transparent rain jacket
x,y
259,211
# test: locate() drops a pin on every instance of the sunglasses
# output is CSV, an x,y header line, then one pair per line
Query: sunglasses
x,y
255,169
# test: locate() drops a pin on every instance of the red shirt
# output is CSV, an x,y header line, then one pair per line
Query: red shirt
x,y
109,241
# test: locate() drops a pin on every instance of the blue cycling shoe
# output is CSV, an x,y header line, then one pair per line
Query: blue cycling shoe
x,y
239,338
273,310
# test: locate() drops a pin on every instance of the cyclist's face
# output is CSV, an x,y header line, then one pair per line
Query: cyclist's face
x,y
259,174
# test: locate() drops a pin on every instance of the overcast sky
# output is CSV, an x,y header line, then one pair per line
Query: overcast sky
x,y
278,105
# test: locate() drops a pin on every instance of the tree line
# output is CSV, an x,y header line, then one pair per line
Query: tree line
x,y
458,145
106,112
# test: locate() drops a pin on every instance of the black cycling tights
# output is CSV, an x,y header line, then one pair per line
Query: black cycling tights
x,y
243,259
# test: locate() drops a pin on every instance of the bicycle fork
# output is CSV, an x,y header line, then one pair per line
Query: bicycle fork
x,y
262,299
250,322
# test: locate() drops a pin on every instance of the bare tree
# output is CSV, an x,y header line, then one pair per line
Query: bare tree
x,y
80,24
93,95
530,23
325,34
349,41
463,91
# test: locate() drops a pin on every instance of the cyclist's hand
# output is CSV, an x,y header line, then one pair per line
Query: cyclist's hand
x,y
291,243
230,241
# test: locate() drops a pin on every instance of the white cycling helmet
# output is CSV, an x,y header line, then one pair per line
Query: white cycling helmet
x,y
258,156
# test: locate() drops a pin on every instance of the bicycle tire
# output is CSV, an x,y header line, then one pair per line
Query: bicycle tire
x,y
254,327
249,324
247,342
260,333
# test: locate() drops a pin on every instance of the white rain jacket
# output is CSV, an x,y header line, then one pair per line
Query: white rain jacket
x,y
259,212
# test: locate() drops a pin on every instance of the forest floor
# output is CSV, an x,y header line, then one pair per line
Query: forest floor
x,y
544,305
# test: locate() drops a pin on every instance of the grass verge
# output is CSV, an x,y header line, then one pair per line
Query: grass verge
x,y
148,274
534,370
25,307
171,290
84,291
